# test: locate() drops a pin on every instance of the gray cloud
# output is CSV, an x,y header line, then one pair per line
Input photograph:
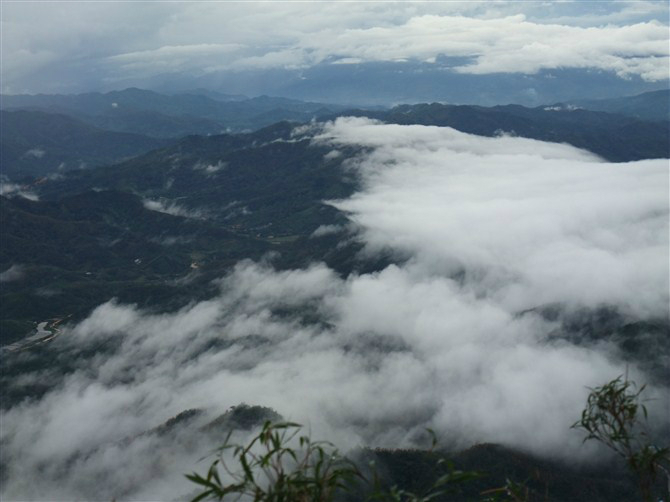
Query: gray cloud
x,y
35,152
509,44
492,227
13,273
100,44
8,189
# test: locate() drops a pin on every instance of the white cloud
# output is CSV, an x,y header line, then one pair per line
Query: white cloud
x,y
171,207
509,44
38,153
13,273
327,230
123,42
172,58
489,227
506,44
536,222
9,189
210,168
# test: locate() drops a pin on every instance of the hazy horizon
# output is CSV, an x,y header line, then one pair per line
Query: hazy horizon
x,y
476,52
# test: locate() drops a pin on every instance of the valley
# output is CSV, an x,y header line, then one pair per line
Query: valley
x,y
372,273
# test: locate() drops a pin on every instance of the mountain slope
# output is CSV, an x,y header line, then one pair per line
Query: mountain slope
x,y
267,182
653,105
614,137
161,230
160,115
267,188
37,144
197,207
78,251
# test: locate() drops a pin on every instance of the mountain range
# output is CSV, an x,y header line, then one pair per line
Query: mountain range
x,y
138,198
40,143
387,83
147,112
37,144
648,106
216,199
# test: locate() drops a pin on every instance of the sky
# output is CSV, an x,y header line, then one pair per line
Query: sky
x,y
57,46
450,337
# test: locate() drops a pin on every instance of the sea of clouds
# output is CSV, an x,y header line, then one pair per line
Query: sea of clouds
x,y
486,231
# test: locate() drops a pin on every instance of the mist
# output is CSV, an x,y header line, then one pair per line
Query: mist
x,y
486,233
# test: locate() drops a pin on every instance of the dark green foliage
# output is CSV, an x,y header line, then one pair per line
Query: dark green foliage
x,y
484,472
243,417
82,250
81,246
615,417
502,470
184,418
259,183
277,465
416,476
545,479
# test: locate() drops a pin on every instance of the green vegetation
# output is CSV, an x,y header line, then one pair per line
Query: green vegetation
x,y
279,464
91,238
40,144
82,250
231,197
612,417
278,472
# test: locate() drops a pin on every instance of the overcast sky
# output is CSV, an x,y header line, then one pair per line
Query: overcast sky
x,y
75,46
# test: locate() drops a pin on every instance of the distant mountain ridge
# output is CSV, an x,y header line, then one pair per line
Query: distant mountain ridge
x,y
653,105
616,138
35,143
388,83
167,116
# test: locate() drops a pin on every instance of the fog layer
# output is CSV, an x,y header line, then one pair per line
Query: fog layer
x,y
487,231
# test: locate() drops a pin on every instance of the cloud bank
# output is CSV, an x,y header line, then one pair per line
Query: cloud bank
x,y
510,44
486,230
122,42
533,222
